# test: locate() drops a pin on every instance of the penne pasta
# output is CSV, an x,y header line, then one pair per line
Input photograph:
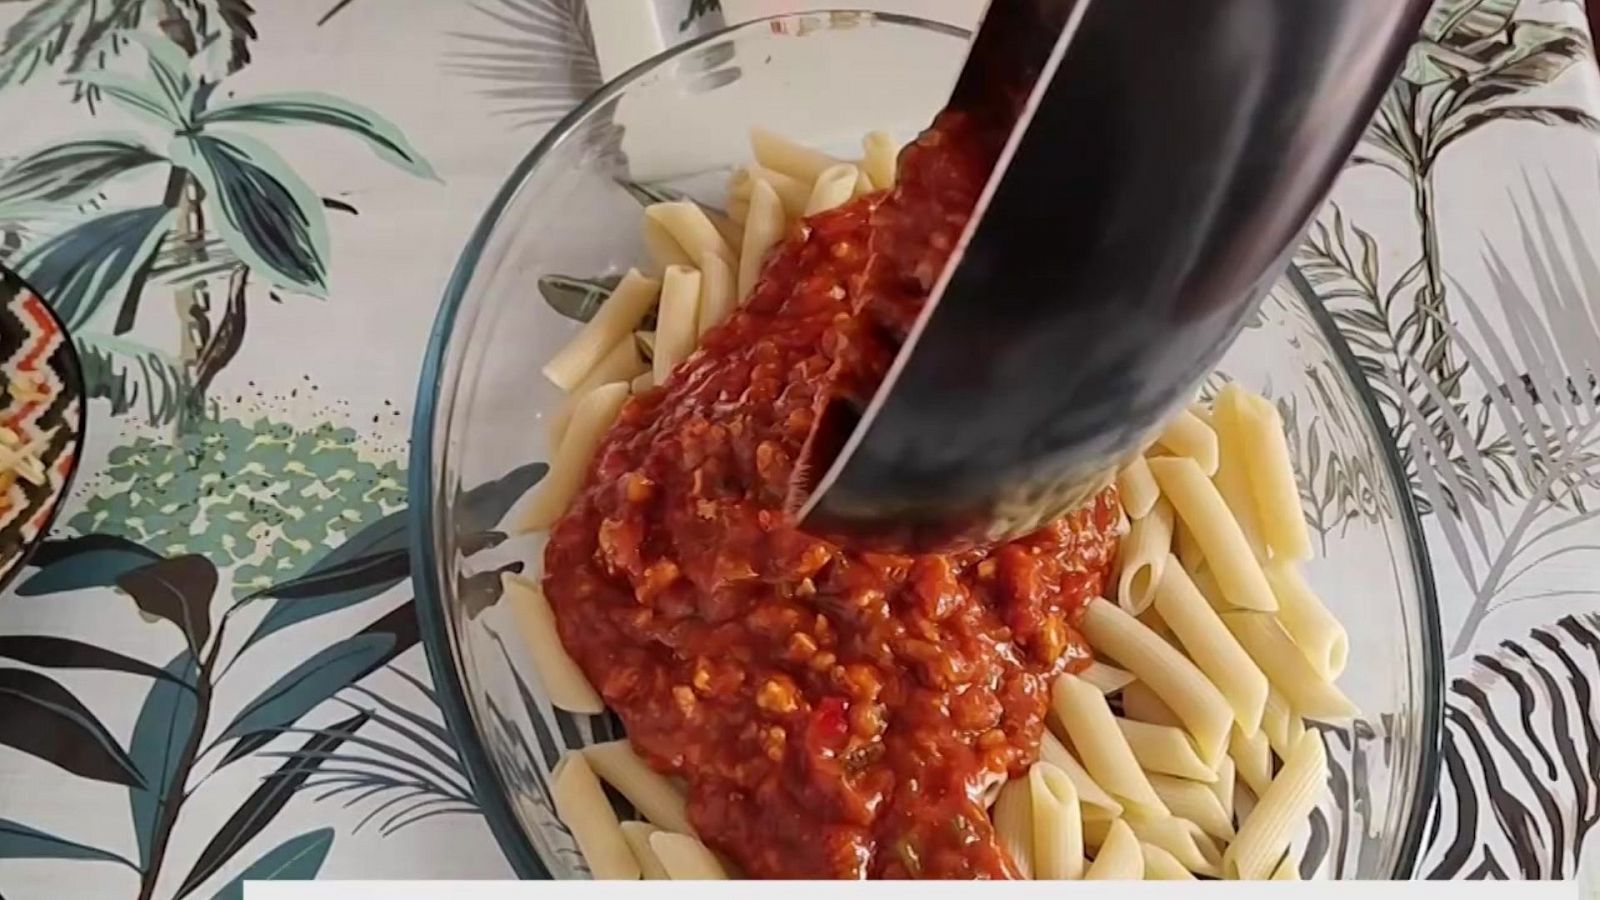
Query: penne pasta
x,y
732,233
582,805
1165,750
1211,646
763,227
1186,435
637,834
675,321
554,493
1187,548
833,188
880,157
1119,858
1012,815
1228,554
1252,759
1281,723
1286,870
1194,850
1137,488
621,363
796,160
1159,865
563,681
690,228
1287,668
1142,705
792,192
622,312
1196,801
1095,802
718,292
1231,479
650,792
1142,556
686,859
1057,824
1272,480
1301,613
664,250
1108,678
643,383
1083,713
1177,681
1281,810
1223,787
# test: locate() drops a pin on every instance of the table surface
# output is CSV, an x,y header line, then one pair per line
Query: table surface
x,y
253,294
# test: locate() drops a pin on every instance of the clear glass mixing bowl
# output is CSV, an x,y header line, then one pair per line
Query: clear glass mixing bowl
x,y
572,211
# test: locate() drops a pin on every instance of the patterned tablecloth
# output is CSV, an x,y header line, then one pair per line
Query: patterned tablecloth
x,y
246,210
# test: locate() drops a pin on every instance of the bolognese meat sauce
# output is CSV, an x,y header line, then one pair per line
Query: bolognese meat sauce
x,y
836,713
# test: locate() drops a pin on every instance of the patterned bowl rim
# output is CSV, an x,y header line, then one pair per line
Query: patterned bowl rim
x,y
73,379
427,502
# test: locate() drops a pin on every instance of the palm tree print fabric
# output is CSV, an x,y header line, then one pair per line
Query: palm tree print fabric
x,y
245,211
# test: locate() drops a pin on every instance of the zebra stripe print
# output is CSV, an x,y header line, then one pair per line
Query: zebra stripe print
x,y
1520,790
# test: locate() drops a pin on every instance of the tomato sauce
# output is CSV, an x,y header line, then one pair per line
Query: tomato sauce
x,y
835,712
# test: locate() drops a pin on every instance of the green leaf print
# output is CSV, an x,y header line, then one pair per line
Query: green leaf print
x,y
41,718
69,170
308,685
312,108
95,560
297,859
19,841
269,216
82,267
178,590
164,726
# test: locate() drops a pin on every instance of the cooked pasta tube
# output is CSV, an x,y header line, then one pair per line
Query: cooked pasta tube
x,y
1282,809
1232,479
1186,435
1096,803
622,312
637,834
1223,787
1186,548
1164,749
664,250
1057,824
718,292
650,792
686,859
764,226
1287,668
581,803
621,363
1137,488
1191,847
554,493
691,229
833,188
1196,801
789,157
1119,857
1142,556
1211,645
1252,759
1171,675
1108,678
792,192
643,383
1301,613
1142,705
1272,480
676,320
880,157
1012,815
1087,719
1228,554
1159,865
563,681
1286,870
1281,723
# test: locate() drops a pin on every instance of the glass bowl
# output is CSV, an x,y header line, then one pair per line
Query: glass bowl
x,y
570,214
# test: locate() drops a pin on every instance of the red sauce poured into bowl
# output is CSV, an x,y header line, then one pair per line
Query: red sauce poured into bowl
x,y
836,712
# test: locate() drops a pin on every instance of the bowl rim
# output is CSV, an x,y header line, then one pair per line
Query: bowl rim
x,y
492,794
73,376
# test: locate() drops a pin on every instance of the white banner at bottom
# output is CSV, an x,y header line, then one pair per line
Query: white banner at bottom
x,y
921,890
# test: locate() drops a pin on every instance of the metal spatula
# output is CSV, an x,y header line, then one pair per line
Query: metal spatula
x,y
1165,158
